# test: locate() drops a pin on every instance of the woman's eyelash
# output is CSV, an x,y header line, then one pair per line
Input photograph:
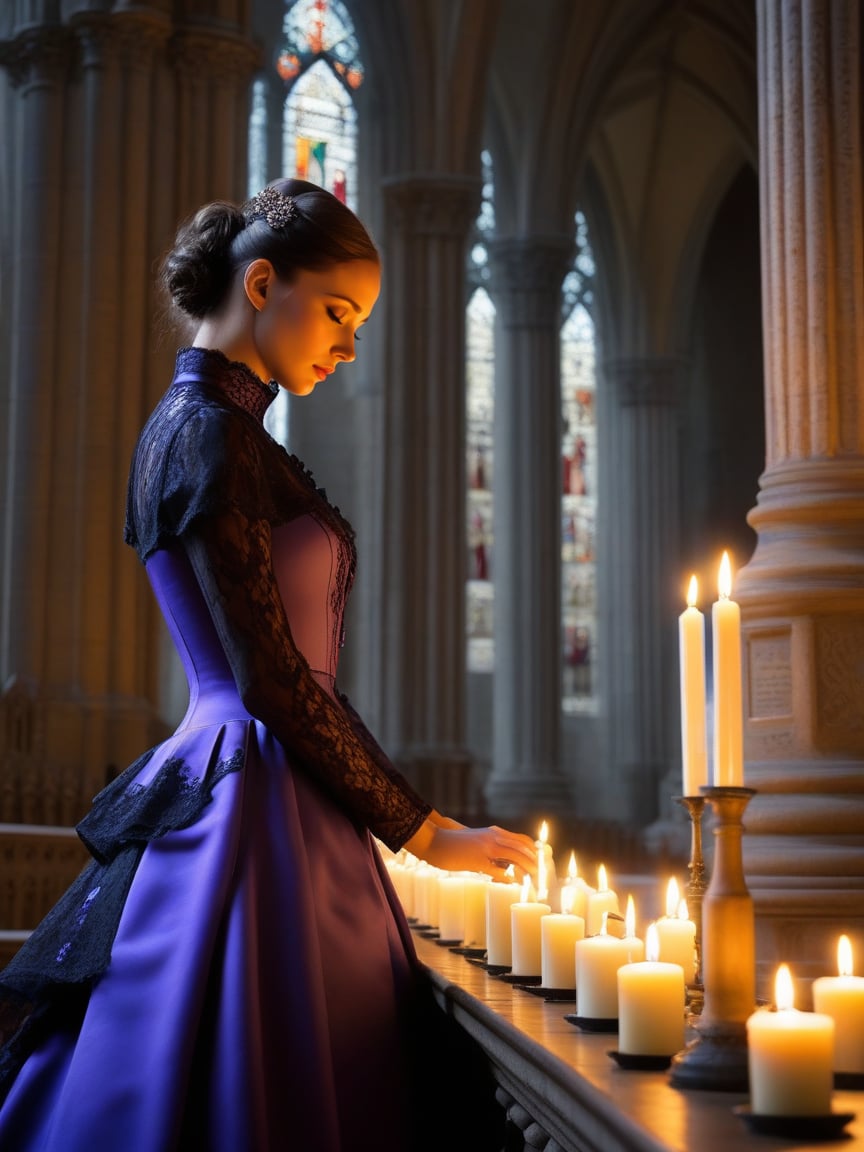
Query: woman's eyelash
x,y
338,320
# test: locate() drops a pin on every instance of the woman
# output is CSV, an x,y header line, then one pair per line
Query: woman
x,y
233,970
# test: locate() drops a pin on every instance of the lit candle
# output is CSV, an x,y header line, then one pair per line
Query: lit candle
x,y
574,894
691,645
842,998
651,1003
559,932
676,934
790,1057
525,917
728,722
546,878
603,900
598,959
499,934
426,894
635,945
402,875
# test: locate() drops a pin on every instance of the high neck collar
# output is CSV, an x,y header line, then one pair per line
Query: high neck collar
x,y
235,379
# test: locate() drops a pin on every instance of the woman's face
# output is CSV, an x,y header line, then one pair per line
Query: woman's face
x,y
304,328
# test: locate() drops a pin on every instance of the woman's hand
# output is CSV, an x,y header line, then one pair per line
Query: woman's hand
x,y
454,847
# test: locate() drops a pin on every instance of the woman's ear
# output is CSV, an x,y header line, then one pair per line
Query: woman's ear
x,y
257,280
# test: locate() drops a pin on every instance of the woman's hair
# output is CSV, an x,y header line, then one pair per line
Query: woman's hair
x,y
292,223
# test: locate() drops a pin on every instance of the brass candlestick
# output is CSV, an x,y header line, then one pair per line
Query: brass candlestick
x,y
695,890
717,1058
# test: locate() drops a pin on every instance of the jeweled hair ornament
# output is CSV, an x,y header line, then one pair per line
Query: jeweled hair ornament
x,y
271,205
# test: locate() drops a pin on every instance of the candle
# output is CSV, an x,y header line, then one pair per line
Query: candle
x,y
475,910
546,878
559,932
676,934
426,894
842,998
598,959
525,917
635,946
790,1057
728,723
451,907
691,645
603,900
402,875
651,1003
574,894
499,934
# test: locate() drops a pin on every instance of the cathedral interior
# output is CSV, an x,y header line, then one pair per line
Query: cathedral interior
x,y
621,333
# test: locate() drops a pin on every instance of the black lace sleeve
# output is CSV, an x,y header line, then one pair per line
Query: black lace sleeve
x,y
230,554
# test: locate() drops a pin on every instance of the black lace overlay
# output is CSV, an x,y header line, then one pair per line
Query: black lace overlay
x,y
207,474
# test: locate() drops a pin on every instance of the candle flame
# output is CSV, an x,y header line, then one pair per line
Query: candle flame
x,y
682,911
571,869
692,592
784,989
652,942
724,579
672,897
844,956
510,871
526,890
602,883
544,832
630,917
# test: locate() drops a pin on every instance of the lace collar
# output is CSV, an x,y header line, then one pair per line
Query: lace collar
x,y
237,381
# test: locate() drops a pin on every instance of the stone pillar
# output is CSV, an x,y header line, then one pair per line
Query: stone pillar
x,y
95,201
527,779
802,594
424,544
642,592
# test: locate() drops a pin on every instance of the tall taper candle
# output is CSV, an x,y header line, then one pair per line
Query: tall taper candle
x,y
691,645
728,722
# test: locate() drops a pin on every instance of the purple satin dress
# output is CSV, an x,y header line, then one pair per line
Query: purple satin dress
x,y
234,972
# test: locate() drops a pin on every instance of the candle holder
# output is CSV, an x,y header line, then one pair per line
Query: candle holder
x,y
717,1058
695,890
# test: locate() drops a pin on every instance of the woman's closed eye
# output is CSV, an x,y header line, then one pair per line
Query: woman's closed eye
x,y
340,320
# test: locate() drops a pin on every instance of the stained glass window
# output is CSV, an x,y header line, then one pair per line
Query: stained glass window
x,y
480,395
579,480
316,69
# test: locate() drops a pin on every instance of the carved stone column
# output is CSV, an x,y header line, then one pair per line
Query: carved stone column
x,y
527,777
638,545
424,544
802,594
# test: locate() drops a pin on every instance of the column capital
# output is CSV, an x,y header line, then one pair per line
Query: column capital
x,y
643,381
434,204
38,57
526,277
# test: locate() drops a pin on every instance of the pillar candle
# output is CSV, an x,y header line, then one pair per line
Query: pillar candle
x,y
525,917
559,932
574,893
790,1057
635,945
598,959
402,876
426,894
676,934
842,998
499,932
603,900
451,907
728,721
651,1004
475,910
691,645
